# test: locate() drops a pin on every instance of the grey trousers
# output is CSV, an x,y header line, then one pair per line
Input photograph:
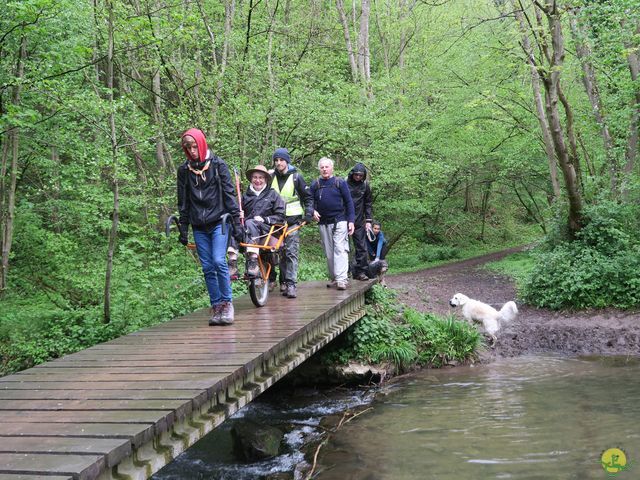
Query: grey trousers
x,y
289,258
335,242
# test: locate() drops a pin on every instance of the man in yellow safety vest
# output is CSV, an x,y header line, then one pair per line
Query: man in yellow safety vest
x,y
288,182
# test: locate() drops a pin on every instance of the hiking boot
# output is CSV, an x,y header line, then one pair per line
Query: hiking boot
x,y
226,313
272,286
291,291
362,276
341,285
252,270
331,284
233,268
283,288
215,315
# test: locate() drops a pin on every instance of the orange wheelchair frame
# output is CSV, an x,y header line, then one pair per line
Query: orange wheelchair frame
x,y
268,258
268,255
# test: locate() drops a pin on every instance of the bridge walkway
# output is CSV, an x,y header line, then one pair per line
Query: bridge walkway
x,y
125,408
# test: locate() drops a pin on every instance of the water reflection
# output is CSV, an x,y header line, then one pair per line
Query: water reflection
x,y
530,417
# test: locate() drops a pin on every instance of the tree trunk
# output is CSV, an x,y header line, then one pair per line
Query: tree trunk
x,y
631,152
402,14
364,66
540,107
113,234
384,42
229,13
8,196
347,40
551,81
271,138
590,83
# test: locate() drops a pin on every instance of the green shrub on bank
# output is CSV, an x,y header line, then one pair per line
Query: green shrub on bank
x,y
390,332
598,269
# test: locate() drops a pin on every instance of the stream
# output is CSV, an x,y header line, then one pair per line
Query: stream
x,y
530,417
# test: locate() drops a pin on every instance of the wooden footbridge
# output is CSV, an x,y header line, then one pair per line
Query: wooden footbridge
x,y
125,408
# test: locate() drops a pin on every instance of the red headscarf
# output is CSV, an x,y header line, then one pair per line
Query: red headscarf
x,y
201,142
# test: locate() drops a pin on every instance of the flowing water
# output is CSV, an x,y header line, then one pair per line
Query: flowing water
x,y
541,417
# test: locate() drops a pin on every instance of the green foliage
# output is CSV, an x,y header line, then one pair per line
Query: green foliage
x,y
517,266
433,253
448,135
598,269
392,333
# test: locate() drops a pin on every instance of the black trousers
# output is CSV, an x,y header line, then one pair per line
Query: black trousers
x,y
361,260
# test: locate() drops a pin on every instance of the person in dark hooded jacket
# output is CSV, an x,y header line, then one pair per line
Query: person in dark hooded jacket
x,y
263,207
205,194
363,206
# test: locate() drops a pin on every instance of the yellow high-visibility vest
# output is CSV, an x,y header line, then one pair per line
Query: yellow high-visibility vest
x,y
288,193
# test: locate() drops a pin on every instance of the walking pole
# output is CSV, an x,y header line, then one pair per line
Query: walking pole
x,y
235,172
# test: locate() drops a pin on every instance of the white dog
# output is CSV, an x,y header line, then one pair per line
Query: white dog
x,y
477,311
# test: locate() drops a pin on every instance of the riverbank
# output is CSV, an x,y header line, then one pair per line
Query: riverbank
x,y
590,332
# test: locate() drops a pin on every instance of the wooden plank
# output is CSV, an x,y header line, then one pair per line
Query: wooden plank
x,y
100,376
82,467
187,394
83,404
162,418
18,476
136,433
113,449
121,385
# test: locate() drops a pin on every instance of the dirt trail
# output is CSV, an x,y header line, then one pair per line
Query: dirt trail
x,y
602,332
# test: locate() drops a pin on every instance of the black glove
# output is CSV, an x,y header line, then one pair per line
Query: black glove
x,y
237,231
184,233
308,219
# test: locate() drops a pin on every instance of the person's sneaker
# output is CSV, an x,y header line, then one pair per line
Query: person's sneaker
x,y
291,291
226,313
215,315
283,289
252,267
341,285
233,268
272,286
331,284
362,276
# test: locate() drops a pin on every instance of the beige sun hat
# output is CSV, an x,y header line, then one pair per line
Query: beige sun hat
x,y
258,168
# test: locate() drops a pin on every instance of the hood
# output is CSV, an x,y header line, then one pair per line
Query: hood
x,y
201,142
358,168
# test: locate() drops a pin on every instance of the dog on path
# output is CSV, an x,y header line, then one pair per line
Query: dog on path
x,y
479,312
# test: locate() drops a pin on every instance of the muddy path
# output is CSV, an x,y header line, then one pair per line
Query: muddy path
x,y
592,332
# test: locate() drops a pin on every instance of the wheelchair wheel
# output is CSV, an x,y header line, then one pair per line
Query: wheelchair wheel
x,y
259,291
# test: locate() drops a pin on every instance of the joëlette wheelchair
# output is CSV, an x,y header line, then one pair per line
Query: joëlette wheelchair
x,y
269,249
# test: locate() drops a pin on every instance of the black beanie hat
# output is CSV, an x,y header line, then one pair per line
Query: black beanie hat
x,y
282,153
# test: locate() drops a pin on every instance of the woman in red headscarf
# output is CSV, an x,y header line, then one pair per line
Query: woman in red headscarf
x,y
205,193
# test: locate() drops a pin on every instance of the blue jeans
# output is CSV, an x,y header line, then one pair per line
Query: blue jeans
x,y
212,249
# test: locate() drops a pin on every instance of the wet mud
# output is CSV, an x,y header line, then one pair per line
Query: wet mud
x,y
590,332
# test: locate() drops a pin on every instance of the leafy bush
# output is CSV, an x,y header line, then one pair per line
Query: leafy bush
x,y
598,269
393,333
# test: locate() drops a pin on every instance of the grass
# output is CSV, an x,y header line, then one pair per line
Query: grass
x,y
517,266
411,255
